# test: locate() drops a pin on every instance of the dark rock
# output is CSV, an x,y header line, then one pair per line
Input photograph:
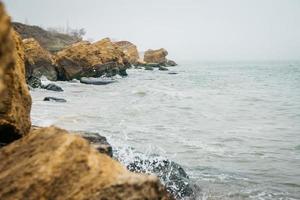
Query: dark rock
x,y
97,141
52,87
149,68
34,82
55,99
96,81
171,63
173,73
170,173
156,65
161,68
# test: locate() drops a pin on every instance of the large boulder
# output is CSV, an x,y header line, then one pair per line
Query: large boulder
x,y
38,61
158,56
15,100
130,50
50,163
84,59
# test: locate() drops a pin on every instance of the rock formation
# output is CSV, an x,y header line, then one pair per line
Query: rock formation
x,y
84,59
38,61
158,56
50,163
130,50
15,100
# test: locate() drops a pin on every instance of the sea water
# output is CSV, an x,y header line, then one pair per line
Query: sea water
x,y
234,127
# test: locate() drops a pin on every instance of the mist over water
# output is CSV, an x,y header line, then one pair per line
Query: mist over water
x,y
234,127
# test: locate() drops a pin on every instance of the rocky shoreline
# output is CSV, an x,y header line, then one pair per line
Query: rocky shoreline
x,y
52,163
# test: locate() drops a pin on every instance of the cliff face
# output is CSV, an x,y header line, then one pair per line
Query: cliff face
x,y
84,59
130,50
15,101
51,41
38,61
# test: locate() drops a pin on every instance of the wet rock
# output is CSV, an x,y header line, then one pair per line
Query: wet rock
x,y
97,141
61,100
171,63
38,61
15,100
50,163
149,68
170,173
161,68
172,73
52,87
86,59
34,82
96,81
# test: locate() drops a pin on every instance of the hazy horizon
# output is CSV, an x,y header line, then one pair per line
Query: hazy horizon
x,y
189,30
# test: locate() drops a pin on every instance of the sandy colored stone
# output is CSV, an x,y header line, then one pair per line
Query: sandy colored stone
x,y
50,163
156,56
38,61
85,59
130,50
15,100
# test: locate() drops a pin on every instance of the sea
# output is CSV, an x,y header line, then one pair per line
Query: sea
x,y
234,127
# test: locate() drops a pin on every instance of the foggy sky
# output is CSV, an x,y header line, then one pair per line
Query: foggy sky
x,y
188,29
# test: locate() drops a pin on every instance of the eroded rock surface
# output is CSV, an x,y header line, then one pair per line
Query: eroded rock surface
x,y
38,61
50,163
84,59
130,50
15,100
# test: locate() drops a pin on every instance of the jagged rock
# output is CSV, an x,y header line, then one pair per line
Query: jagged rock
x,y
34,82
130,50
50,163
15,100
172,175
38,61
52,87
156,56
55,99
97,141
84,59
171,63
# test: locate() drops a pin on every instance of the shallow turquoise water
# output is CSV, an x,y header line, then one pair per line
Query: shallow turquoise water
x,y
235,127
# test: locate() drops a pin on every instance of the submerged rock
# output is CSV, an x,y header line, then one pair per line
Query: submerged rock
x,y
161,68
34,82
55,99
15,100
172,73
52,87
50,163
38,61
96,81
149,68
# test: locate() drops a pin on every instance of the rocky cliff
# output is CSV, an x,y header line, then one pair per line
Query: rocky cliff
x,y
51,163
86,59
49,40
158,56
